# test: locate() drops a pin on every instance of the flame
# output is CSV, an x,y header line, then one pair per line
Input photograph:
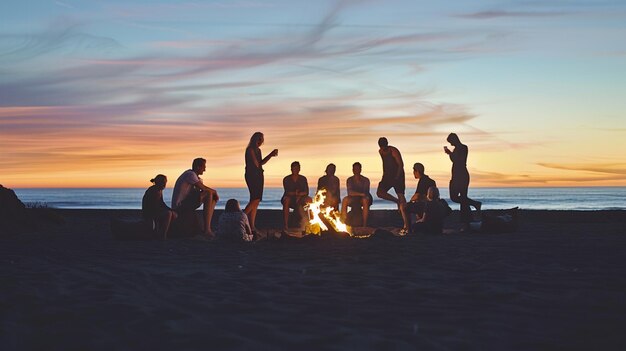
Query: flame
x,y
316,208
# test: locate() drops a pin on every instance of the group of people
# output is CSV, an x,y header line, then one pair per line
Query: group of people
x,y
425,211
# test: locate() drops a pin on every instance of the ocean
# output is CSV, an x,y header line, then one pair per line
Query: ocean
x,y
580,198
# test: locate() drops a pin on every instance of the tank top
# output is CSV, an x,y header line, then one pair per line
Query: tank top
x,y
250,166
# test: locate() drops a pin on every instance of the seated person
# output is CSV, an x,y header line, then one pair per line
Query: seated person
x,y
189,193
154,209
358,193
418,200
331,183
233,224
431,221
296,194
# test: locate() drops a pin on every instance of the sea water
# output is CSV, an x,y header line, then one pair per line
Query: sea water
x,y
580,198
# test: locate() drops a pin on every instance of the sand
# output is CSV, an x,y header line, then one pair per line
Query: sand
x,y
559,282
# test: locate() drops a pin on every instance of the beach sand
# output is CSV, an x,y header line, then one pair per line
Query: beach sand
x,y
559,282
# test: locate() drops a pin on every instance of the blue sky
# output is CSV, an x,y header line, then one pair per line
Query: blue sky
x,y
112,92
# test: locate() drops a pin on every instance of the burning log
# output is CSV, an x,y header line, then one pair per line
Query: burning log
x,y
324,219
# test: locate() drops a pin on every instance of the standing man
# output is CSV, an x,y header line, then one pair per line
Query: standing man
x,y
189,193
358,193
393,177
296,194
418,200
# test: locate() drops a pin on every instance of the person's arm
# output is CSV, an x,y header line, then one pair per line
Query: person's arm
x,y
449,153
305,188
421,219
286,187
396,156
211,191
270,155
418,194
162,203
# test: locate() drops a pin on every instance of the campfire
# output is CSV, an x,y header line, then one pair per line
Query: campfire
x,y
324,218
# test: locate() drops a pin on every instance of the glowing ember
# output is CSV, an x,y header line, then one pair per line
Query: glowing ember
x,y
317,211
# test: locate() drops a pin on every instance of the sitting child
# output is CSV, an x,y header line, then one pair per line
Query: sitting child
x,y
233,224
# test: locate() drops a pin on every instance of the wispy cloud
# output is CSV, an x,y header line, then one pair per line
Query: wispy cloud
x,y
63,35
609,168
508,14
314,89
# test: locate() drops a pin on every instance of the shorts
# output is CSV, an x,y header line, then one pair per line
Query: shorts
x,y
355,201
255,186
396,183
295,201
191,202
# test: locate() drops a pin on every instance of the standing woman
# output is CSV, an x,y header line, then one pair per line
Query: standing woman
x,y
154,209
254,175
459,184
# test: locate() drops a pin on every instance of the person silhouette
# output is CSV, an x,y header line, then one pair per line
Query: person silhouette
x,y
190,192
431,219
254,175
331,183
358,193
233,224
154,209
296,194
459,182
418,200
393,177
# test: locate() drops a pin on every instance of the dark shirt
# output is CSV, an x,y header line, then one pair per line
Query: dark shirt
x,y
434,213
331,184
459,159
423,184
152,203
300,185
251,167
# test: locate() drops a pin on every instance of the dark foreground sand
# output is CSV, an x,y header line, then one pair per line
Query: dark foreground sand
x,y
557,283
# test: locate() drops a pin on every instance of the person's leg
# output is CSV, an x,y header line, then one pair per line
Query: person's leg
x,y
207,209
466,212
365,203
454,192
286,205
458,194
163,222
300,208
344,208
383,193
250,211
334,203
403,212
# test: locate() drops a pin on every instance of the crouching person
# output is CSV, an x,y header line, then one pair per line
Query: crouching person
x,y
233,224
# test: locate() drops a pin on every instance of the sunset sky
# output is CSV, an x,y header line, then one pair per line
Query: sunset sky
x,y
110,93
